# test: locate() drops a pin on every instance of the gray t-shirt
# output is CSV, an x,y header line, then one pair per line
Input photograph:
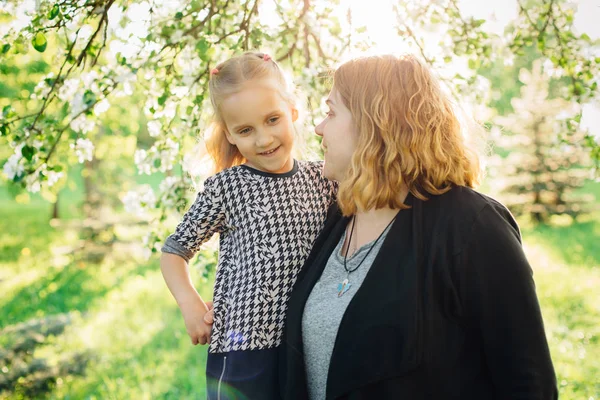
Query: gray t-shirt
x,y
324,310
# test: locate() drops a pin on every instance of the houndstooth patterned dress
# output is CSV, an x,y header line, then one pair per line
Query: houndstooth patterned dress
x,y
267,225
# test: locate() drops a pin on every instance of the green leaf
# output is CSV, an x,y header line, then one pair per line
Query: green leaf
x,y
28,152
4,130
162,99
89,98
18,177
179,15
8,112
39,42
54,12
202,47
156,163
197,5
5,48
478,22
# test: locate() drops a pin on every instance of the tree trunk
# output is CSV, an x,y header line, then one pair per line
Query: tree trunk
x,y
55,208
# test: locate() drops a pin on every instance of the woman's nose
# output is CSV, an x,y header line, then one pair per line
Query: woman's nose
x,y
319,128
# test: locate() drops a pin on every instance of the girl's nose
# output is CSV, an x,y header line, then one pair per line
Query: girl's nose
x,y
263,139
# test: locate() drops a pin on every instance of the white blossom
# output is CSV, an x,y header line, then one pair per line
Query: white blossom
x,y
41,90
32,183
77,104
22,15
168,112
124,74
139,200
68,89
176,36
167,191
140,158
89,78
53,177
82,124
84,149
495,132
168,155
154,128
12,166
167,184
101,107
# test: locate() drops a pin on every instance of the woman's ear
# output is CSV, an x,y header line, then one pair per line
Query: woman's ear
x,y
294,114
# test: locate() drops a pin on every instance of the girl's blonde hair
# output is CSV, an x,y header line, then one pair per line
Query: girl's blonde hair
x,y
226,79
409,132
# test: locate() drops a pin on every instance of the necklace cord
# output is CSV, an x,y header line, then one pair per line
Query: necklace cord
x,y
349,271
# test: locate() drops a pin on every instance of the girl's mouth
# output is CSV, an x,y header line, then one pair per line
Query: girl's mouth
x,y
269,152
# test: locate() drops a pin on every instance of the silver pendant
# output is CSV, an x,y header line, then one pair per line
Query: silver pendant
x,y
343,287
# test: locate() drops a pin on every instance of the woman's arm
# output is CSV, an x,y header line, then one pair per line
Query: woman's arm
x,y
502,299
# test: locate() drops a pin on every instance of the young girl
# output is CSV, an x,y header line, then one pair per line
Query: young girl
x,y
267,208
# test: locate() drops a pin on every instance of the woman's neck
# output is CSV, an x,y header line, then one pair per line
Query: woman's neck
x,y
381,214
369,224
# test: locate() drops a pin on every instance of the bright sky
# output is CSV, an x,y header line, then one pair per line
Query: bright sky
x,y
379,19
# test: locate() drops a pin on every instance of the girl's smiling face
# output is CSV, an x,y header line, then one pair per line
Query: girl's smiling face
x,y
259,123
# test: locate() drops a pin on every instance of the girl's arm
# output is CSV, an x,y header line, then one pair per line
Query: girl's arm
x,y
204,218
177,276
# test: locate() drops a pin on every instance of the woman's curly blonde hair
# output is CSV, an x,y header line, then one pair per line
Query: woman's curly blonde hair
x,y
409,132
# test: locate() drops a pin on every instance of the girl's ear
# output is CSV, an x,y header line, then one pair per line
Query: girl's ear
x,y
294,114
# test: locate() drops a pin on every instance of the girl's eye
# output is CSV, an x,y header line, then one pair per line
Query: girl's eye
x,y
272,120
245,131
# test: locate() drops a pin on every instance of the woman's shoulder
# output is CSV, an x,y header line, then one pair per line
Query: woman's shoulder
x,y
461,209
462,200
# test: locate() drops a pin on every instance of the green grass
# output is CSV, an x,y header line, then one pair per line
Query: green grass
x,y
124,315
566,262
127,320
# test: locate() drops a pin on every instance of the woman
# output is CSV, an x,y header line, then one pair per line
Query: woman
x,y
418,287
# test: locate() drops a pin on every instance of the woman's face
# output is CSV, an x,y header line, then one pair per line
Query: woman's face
x,y
340,137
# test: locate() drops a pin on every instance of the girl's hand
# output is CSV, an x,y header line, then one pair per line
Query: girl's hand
x,y
193,315
209,316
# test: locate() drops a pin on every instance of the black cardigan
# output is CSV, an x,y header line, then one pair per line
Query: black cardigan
x,y
447,311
